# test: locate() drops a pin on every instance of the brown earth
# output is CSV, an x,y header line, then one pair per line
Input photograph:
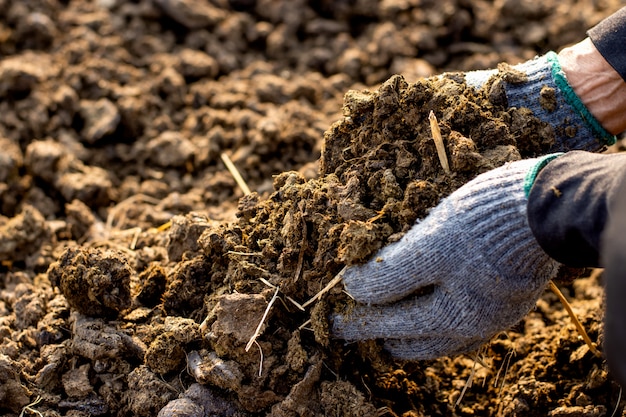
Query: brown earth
x,y
138,279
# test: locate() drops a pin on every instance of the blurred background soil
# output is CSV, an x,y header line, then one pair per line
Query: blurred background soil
x,y
116,119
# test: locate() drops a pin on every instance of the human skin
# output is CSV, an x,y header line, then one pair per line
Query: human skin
x,y
597,84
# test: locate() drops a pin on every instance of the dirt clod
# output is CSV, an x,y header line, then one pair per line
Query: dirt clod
x,y
13,394
22,235
94,282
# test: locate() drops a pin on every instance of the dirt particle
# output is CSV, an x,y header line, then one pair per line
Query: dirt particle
x,y
547,98
23,235
208,368
147,393
183,235
319,323
95,340
11,160
94,282
238,316
296,355
358,241
303,396
101,118
510,74
340,398
151,285
170,150
198,64
167,352
181,407
76,382
570,131
192,14
19,75
464,154
578,411
13,395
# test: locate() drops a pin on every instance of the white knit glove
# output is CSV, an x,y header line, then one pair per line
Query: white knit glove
x,y
541,86
475,257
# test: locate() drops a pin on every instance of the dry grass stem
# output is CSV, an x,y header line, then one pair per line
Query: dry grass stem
x,y
468,383
30,408
294,302
266,282
327,288
505,365
133,243
204,326
303,325
383,411
257,332
577,324
165,226
261,362
619,398
234,252
235,173
441,150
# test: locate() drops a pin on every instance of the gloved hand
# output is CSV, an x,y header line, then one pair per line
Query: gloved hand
x,y
475,256
542,86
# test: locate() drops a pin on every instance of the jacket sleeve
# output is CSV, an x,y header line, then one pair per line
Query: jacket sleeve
x,y
609,37
614,260
570,204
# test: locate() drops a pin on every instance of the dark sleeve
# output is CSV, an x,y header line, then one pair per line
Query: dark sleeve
x,y
609,38
569,202
614,260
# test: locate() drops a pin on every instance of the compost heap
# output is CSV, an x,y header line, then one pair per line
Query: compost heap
x,y
196,317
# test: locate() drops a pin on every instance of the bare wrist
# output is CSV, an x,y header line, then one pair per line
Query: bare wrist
x,y
597,84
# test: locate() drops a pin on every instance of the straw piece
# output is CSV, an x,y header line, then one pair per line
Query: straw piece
x,y
294,302
327,288
235,173
441,150
257,332
577,324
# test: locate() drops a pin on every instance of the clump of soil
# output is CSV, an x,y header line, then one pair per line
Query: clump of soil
x,y
379,173
94,283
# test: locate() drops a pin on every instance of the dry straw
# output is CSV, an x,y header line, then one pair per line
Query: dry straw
x,y
327,288
577,323
441,150
235,173
257,332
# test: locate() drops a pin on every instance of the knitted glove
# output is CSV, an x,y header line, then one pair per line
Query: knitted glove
x,y
469,270
541,86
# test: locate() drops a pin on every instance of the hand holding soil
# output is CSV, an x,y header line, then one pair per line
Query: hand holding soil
x,y
471,269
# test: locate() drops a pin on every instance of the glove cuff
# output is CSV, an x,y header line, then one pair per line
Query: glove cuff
x,y
544,90
548,94
599,132
532,173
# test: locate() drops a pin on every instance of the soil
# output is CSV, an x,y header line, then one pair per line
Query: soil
x,y
140,278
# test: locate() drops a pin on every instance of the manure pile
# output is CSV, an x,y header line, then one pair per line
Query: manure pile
x,y
240,307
